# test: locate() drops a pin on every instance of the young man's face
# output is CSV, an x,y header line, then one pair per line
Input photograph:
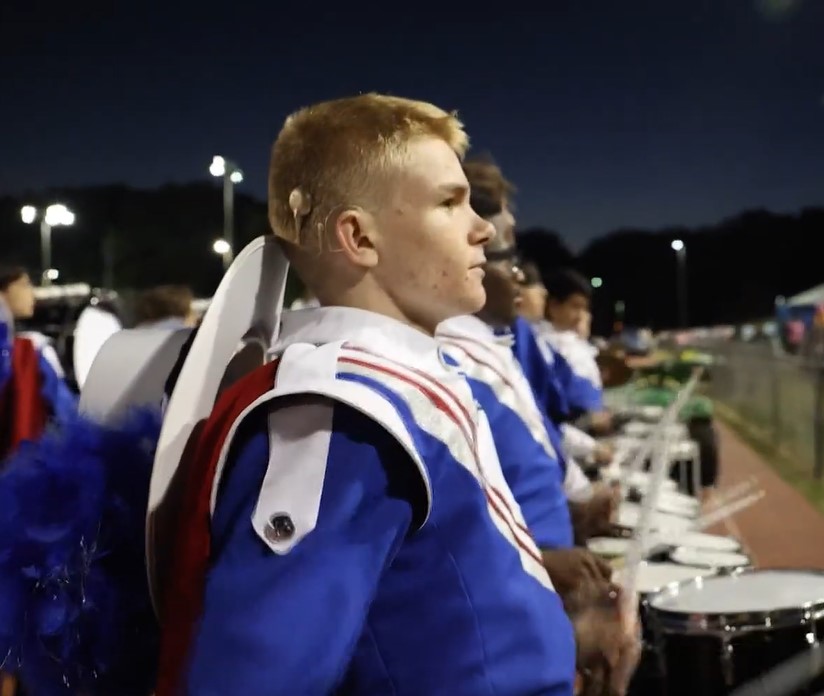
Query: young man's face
x,y
533,302
585,324
566,315
503,278
19,296
431,242
503,292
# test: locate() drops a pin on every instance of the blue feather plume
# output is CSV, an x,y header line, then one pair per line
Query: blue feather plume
x,y
75,612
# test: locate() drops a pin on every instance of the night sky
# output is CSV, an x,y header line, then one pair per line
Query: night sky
x,y
605,113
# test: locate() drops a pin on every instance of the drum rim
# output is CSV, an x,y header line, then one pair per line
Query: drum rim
x,y
624,541
646,596
677,510
722,624
648,428
739,547
747,560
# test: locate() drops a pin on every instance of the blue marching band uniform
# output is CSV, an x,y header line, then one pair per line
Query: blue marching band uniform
x,y
373,505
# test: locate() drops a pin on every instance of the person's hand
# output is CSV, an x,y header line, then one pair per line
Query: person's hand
x,y
608,646
601,421
597,516
604,507
579,576
603,453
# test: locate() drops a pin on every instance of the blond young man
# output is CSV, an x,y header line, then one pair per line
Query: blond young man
x,y
363,539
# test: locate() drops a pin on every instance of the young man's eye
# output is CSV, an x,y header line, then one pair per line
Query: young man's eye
x,y
449,203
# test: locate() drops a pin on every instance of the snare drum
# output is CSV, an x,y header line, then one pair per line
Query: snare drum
x,y
718,633
609,547
648,679
629,516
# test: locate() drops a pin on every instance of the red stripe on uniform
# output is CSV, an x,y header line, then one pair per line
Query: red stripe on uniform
x,y
441,405
472,438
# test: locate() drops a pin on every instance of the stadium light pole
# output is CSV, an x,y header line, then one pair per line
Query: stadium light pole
x,y
224,250
680,250
55,215
232,175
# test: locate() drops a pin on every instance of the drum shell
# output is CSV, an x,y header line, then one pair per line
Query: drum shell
x,y
696,664
714,654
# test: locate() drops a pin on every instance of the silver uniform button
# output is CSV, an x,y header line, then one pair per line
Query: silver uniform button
x,y
280,527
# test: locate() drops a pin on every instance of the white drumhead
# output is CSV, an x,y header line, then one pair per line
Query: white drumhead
x,y
685,450
680,499
674,431
759,591
706,558
641,480
638,429
655,576
675,503
608,546
629,516
651,412
710,542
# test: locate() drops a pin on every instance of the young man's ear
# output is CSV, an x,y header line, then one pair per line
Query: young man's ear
x,y
354,235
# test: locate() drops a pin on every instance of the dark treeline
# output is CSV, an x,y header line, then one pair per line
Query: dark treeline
x,y
132,238
735,269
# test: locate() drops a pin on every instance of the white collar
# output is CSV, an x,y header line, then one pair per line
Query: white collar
x,y
377,332
471,326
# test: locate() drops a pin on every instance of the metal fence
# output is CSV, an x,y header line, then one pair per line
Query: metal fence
x,y
780,395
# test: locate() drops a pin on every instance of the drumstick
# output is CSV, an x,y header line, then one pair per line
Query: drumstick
x,y
640,541
728,510
731,493
729,522
788,677
668,419
660,466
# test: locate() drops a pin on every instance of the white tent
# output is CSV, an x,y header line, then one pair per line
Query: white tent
x,y
812,297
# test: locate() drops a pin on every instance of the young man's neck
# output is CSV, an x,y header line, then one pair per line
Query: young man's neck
x,y
376,302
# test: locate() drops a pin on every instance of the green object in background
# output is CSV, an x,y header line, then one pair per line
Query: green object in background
x,y
677,370
646,392
659,384
697,407
696,358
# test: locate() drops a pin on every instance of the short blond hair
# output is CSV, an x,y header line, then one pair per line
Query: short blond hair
x,y
335,154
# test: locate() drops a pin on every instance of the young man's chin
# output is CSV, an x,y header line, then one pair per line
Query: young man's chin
x,y
476,301
471,304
